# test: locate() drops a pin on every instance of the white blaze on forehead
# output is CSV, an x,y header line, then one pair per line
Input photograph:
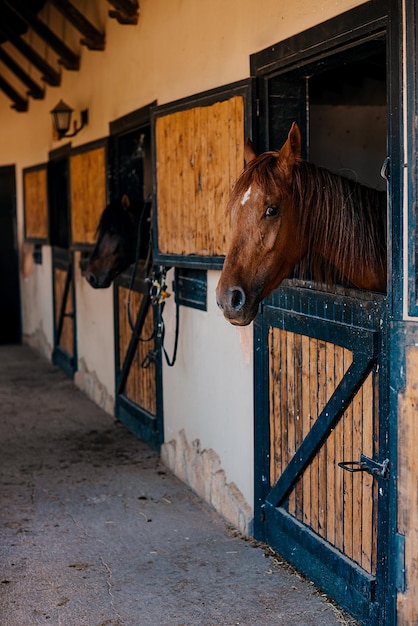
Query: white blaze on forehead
x,y
246,196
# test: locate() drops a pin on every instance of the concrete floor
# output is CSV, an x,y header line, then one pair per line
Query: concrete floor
x,y
95,531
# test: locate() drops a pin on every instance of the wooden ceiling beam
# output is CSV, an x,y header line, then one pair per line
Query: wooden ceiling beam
x,y
126,11
67,57
20,103
35,90
92,37
49,75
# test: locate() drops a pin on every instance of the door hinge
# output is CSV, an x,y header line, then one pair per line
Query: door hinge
x,y
379,470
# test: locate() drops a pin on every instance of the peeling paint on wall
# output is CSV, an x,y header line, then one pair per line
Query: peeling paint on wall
x,y
89,383
201,471
38,341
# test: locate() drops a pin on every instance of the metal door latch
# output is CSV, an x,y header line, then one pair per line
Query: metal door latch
x,y
380,470
151,357
385,170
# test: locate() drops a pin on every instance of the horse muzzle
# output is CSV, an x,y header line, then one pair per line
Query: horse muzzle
x,y
236,306
97,284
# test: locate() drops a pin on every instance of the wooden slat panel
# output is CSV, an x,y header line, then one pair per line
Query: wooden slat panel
x,y
66,341
200,153
88,193
36,203
367,540
341,357
140,386
328,498
304,373
307,420
407,489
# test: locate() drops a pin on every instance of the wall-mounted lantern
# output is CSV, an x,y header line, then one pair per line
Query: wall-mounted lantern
x,y
61,116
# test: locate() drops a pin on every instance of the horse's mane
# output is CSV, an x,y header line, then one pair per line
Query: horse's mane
x,y
335,214
342,216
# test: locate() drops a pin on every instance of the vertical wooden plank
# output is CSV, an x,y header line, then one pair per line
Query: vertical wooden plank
x,y
290,416
283,399
237,140
315,367
368,522
162,176
179,211
275,404
165,140
362,415
191,165
273,380
306,425
329,457
222,167
375,452
205,173
323,394
347,421
235,163
299,408
340,368
407,606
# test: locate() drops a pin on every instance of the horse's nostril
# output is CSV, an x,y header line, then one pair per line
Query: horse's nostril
x,y
92,279
237,298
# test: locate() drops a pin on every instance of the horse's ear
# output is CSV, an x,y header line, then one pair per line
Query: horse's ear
x,y
249,151
291,149
125,201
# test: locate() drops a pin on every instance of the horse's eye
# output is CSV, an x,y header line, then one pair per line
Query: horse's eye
x,y
271,211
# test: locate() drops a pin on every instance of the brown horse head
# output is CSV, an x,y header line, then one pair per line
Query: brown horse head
x,y
116,242
265,244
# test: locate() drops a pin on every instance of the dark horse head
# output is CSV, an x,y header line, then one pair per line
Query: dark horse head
x,y
116,244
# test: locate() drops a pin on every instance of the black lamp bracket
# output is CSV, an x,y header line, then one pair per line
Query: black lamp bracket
x,y
84,118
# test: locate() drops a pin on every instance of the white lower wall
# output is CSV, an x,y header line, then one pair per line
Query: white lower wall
x,y
37,312
208,394
95,341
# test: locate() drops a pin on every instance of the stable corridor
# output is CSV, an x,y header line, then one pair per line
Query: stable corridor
x,y
95,531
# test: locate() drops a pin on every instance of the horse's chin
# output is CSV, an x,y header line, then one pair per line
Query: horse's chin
x,y
242,317
245,322
98,283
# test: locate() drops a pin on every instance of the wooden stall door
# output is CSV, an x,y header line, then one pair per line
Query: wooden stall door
x,y
138,372
138,362
323,382
64,353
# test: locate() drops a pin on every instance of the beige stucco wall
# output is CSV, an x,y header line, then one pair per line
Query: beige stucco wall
x,y
178,48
